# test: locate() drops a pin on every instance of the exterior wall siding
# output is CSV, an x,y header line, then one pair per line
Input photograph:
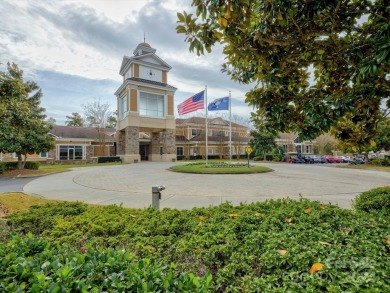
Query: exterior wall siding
x,y
133,100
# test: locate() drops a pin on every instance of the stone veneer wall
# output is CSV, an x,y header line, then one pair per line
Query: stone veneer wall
x,y
112,151
169,141
132,140
88,151
121,143
155,143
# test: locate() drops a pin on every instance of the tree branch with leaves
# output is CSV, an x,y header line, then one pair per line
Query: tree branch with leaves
x,y
312,61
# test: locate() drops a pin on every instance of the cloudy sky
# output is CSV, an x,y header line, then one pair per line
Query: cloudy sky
x,y
73,49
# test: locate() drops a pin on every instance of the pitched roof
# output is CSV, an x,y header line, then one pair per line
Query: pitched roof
x,y
62,131
220,138
201,121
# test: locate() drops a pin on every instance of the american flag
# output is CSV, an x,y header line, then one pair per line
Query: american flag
x,y
196,102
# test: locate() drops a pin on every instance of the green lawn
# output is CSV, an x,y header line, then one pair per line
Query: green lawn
x,y
67,167
11,202
219,168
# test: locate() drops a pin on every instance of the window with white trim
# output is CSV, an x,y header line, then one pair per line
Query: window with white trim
x,y
218,133
43,155
71,152
180,151
151,105
196,131
308,149
122,107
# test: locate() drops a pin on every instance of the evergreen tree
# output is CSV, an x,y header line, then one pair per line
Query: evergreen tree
x,y
23,129
74,120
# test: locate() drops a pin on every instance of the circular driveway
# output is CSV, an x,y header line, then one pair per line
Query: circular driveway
x,y
131,185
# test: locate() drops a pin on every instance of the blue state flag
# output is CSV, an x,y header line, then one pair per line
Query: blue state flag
x,y
219,104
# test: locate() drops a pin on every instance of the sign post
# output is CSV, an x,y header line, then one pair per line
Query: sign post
x,y
248,151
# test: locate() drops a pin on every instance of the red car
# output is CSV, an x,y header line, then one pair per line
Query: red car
x,y
329,159
337,160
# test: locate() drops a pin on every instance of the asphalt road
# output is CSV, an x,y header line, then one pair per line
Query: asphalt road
x,y
9,184
131,185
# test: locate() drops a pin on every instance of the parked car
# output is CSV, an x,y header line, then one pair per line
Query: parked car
x,y
337,160
298,160
308,159
329,159
343,159
357,161
318,159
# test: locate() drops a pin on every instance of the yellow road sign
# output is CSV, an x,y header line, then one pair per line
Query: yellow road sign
x,y
248,149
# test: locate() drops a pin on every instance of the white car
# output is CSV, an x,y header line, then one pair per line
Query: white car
x,y
344,159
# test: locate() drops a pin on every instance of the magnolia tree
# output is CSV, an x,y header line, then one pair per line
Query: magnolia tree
x,y
23,129
315,62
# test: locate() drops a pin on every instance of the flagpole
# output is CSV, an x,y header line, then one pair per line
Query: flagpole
x,y
206,151
230,125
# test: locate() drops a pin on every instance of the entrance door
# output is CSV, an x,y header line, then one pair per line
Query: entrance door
x,y
143,151
71,154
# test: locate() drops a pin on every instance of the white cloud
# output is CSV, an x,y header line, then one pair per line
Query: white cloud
x,y
84,41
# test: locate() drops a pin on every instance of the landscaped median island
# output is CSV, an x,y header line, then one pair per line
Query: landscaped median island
x,y
274,246
219,168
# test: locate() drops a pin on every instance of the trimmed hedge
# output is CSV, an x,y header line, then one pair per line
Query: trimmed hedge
x,y
109,159
11,166
7,166
377,199
32,165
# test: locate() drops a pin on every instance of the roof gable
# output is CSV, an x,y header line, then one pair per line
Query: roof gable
x,y
144,54
90,133
218,121
200,121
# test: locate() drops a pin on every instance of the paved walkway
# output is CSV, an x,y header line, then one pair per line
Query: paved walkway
x,y
131,185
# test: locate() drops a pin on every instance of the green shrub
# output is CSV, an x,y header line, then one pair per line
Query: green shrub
x,y
259,158
376,162
277,158
42,267
109,159
386,162
269,157
377,199
11,165
240,245
380,162
2,168
43,217
32,165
